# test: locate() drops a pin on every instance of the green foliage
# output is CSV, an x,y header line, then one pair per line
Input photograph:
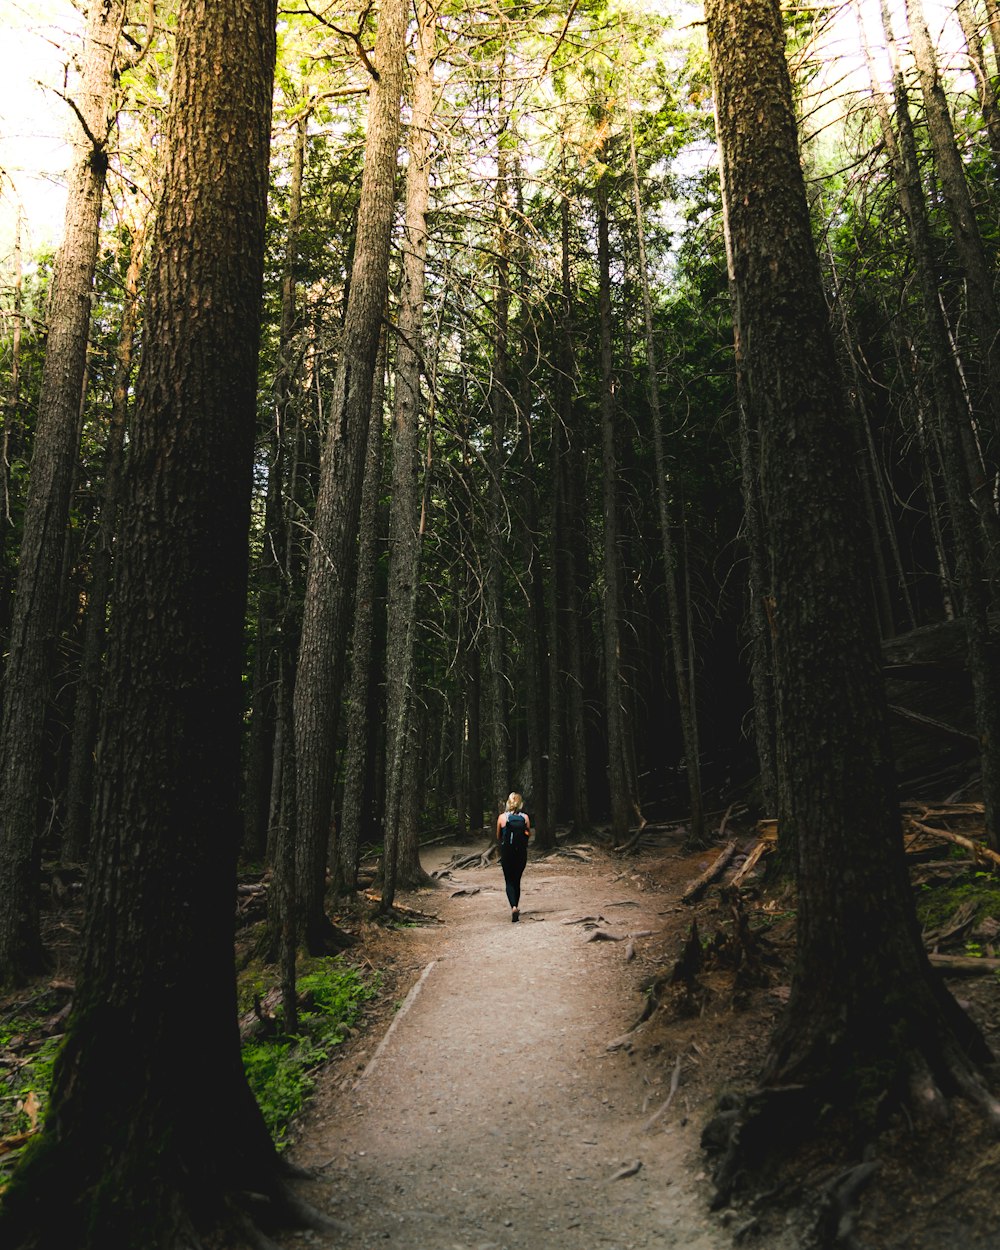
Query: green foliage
x,y
282,1070
24,1089
938,904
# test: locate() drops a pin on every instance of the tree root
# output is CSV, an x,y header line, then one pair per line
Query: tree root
x,y
761,1134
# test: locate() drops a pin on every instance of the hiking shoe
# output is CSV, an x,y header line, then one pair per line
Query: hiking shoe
x,y
515,916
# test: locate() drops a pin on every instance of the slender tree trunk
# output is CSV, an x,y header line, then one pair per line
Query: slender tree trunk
x,y
11,440
271,572
577,573
685,703
355,818
973,563
614,683
985,316
497,514
326,615
76,834
866,1010
158,946
37,602
984,86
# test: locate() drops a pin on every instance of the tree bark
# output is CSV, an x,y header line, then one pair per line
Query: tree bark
x,y
11,446
865,1010
37,601
614,683
405,527
497,512
361,714
326,611
158,946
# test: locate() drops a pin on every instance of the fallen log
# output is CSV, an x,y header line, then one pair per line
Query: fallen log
x,y
700,884
964,965
978,850
750,863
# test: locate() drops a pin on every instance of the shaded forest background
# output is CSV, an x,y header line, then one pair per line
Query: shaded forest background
x,y
542,126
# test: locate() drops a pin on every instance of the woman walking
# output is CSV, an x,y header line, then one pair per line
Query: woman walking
x,y
513,832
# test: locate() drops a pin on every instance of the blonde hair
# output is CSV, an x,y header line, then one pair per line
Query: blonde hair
x,y
514,802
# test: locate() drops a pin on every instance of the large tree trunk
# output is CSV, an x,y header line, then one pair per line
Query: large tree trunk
x,y
866,1011
158,951
405,534
37,601
326,615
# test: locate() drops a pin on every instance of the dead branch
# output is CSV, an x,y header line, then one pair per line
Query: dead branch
x,y
749,864
964,965
700,884
977,849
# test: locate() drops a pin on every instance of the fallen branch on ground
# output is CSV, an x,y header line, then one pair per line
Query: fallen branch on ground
x,y
978,850
700,884
964,965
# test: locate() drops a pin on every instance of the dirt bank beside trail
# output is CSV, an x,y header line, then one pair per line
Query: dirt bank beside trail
x,y
490,1113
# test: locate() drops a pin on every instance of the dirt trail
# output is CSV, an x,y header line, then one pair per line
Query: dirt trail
x,y
490,1115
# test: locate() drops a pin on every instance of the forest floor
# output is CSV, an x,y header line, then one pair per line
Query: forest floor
x,y
501,1097
500,1092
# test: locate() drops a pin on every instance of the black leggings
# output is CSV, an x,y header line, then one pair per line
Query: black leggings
x,y
512,861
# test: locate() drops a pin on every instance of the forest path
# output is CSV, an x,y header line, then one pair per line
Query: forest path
x,y
490,1115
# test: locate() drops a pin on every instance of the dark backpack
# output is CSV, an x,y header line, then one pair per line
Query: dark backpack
x,y
515,830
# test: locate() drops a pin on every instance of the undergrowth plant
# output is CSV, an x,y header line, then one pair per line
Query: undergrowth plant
x,y
24,1093
282,1069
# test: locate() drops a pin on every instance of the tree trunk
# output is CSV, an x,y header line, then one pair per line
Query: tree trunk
x,y
497,512
326,611
37,602
614,683
953,431
271,571
577,578
866,1011
361,714
405,534
11,446
158,947
985,316
685,703
984,85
